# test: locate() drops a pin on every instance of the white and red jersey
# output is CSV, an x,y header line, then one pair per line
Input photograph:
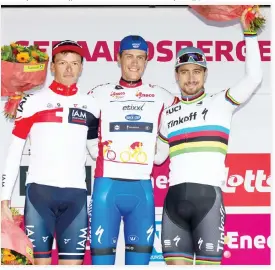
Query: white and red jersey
x,y
58,120
129,116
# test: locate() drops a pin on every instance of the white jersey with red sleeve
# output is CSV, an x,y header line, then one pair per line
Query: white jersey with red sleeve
x,y
128,129
58,120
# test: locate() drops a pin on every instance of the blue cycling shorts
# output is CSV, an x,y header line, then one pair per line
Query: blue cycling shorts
x,y
61,213
114,200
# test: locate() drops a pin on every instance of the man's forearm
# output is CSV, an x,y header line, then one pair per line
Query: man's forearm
x,y
12,167
92,146
5,203
253,74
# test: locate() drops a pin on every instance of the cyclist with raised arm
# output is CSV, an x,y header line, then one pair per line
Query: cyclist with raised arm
x,y
195,134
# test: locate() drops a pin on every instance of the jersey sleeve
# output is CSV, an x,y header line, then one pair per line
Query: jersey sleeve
x,y
162,146
169,99
24,117
22,126
94,115
96,91
243,90
93,129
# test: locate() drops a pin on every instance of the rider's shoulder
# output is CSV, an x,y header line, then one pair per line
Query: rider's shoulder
x,y
172,109
99,87
157,87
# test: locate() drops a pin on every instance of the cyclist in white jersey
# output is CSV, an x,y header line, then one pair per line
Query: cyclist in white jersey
x,y
59,120
194,133
129,122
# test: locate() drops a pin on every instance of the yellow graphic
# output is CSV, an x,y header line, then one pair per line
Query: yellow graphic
x,y
29,251
226,240
134,152
34,68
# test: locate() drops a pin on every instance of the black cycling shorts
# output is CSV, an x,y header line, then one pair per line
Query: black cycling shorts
x,y
193,224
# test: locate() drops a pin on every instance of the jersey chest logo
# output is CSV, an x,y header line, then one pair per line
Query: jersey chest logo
x,y
192,116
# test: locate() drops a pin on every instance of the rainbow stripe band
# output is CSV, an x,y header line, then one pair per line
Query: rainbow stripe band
x,y
250,34
208,260
175,256
210,138
162,138
195,99
231,99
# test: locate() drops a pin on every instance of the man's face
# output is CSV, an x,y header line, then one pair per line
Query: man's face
x,y
133,63
191,78
67,68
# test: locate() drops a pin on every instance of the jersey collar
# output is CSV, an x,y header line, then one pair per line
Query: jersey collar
x,y
130,84
62,89
193,98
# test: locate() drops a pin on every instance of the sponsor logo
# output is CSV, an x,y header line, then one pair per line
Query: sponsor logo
x,y
117,95
248,240
248,180
77,116
118,87
29,230
20,106
131,127
157,250
132,117
182,120
200,243
220,243
99,232
128,247
167,243
176,240
114,240
163,50
34,68
173,109
66,241
209,247
143,95
150,232
136,45
192,116
237,241
80,117
245,243
3,180
45,238
133,107
81,245
133,238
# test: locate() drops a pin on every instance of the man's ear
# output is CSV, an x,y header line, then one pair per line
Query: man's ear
x,y
52,68
118,60
205,75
